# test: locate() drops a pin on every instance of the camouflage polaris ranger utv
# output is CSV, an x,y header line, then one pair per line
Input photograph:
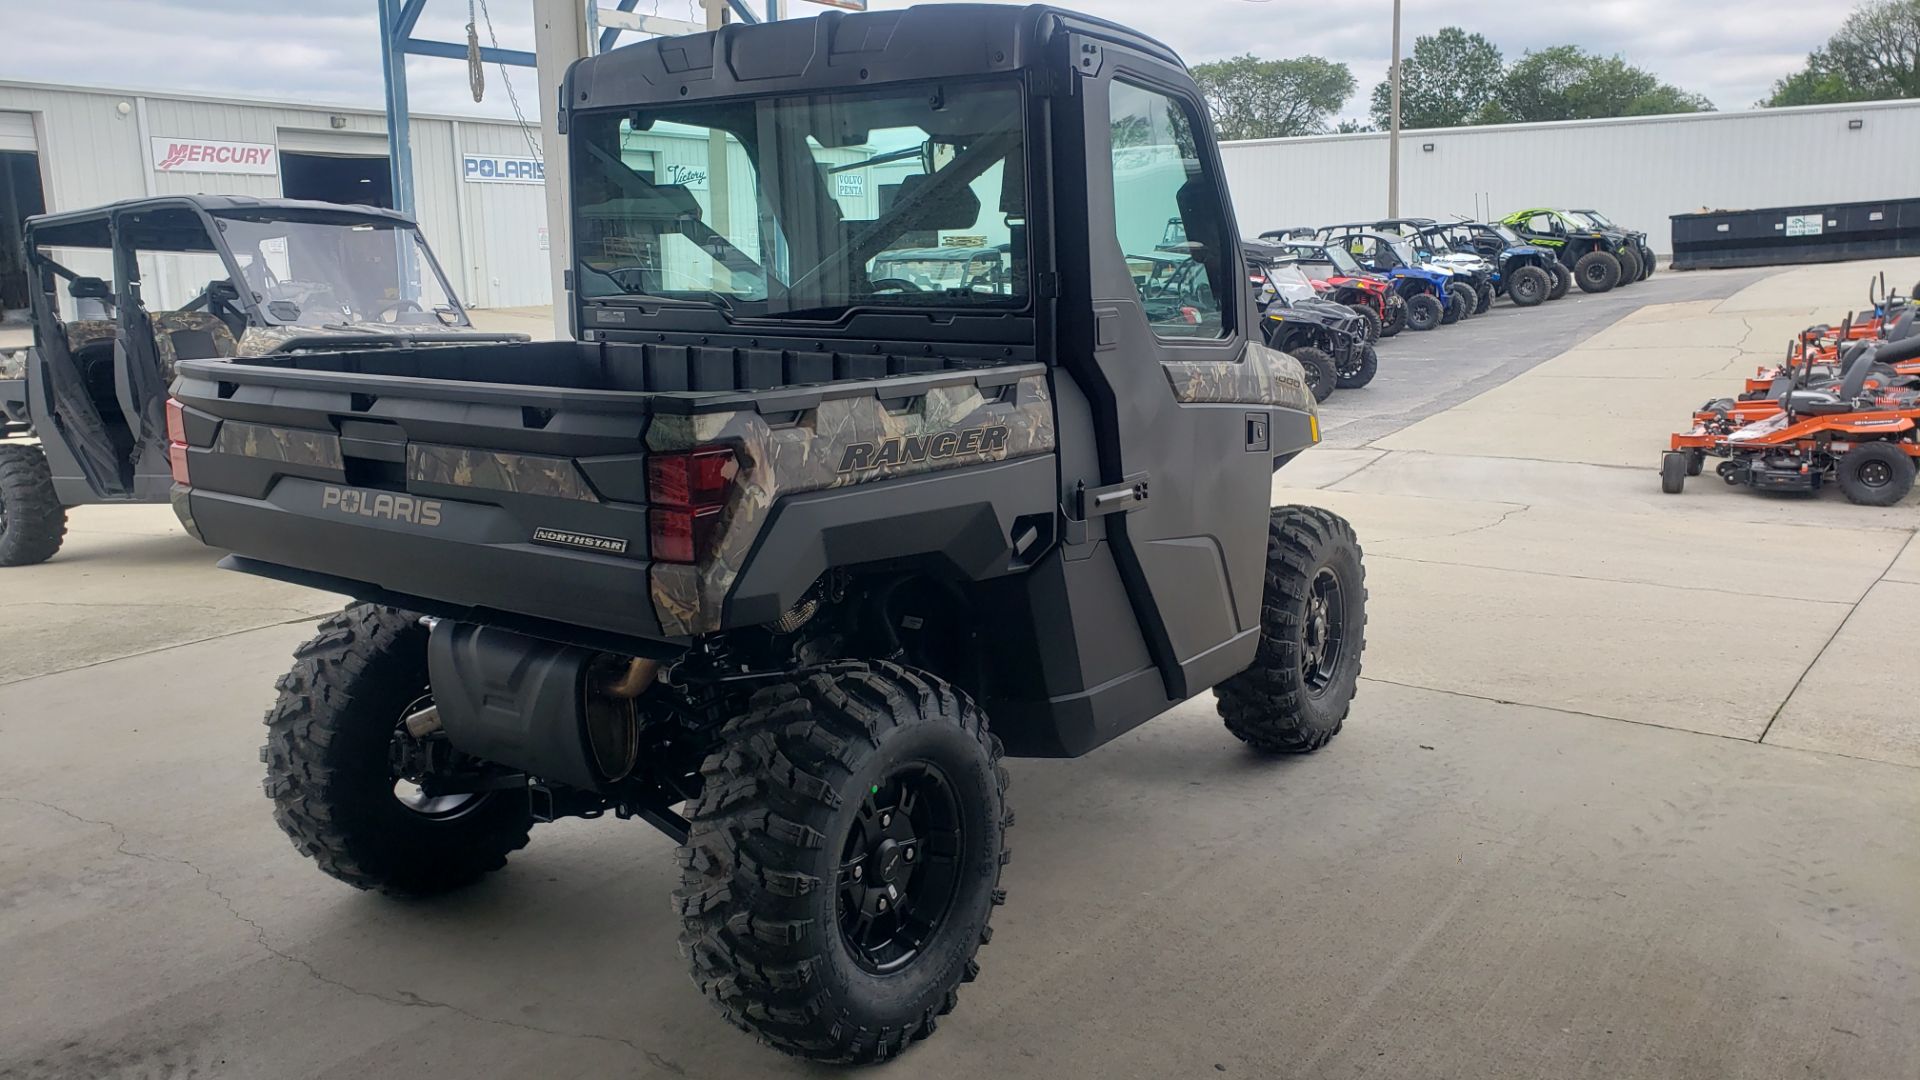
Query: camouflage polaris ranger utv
x,y
121,292
785,549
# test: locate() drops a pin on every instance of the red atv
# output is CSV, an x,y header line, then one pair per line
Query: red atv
x,y
1341,279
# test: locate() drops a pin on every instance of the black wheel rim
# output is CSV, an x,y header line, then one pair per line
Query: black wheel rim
x,y
1323,631
900,867
408,790
1875,474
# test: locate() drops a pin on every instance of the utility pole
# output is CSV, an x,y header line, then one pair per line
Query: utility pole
x,y
1393,126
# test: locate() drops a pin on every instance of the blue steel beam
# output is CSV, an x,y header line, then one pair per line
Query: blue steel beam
x,y
409,15
451,51
393,63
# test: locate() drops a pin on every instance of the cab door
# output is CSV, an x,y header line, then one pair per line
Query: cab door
x,y
1185,471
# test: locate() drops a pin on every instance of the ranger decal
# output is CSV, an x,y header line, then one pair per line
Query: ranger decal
x,y
916,449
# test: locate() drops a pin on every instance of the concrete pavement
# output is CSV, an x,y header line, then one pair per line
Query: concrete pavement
x,y
1628,792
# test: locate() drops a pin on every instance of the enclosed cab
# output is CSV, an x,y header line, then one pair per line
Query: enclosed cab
x,y
796,534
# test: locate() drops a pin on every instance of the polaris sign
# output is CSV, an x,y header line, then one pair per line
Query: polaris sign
x,y
484,169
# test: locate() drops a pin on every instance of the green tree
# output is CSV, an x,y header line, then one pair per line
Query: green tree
x,y
1874,56
1251,98
1447,81
1566,82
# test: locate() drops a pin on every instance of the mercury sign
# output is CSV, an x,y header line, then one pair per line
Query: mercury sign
x,y
484,169
213,156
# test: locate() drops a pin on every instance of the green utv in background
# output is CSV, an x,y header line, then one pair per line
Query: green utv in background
x,y
1638,240
1599,258
808,524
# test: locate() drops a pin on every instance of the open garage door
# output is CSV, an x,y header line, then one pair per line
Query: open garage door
x,y
20,196
336,167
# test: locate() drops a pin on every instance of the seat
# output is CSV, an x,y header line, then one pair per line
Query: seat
x,y
189,335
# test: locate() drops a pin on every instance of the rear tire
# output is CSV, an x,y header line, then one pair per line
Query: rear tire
x,y
1597,272
1313,619
1562,281
805,916
1630,269
1362,370
1371,319
330,777
1486,300
1321,376
1424,312
1673,472
1696,462
1529,286
1875,474
32,521
1648,263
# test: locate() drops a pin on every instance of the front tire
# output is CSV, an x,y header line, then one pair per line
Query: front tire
x,y
1529,286
1597,271
1372,320
1319,369
1486,300
1424,312
1673,472
844,860
32,521
1313,619
1630,268
1396,319
1562,281
1361,370
1456,309
1648,263
1875,474
330,767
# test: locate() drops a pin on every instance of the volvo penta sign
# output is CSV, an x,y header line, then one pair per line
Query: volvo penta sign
x,y
213,156
486,169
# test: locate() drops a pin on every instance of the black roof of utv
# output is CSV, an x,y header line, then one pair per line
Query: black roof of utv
x,y
835,51
221,204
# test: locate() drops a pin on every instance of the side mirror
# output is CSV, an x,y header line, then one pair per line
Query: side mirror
x,y
89,288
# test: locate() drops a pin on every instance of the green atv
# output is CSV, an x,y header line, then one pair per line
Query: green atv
x,y
1598,258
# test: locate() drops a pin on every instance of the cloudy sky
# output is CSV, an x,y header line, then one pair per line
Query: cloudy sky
x,y
328,50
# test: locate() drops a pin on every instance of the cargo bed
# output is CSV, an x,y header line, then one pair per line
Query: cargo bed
x,y
507,482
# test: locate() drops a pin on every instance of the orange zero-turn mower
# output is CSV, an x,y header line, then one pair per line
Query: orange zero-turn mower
x,y
1865,442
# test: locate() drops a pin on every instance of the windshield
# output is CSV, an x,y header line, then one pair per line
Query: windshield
x,y
1404,252
1342,260
322,273
1507,234
808,206
1290,281
1581,217
1597,218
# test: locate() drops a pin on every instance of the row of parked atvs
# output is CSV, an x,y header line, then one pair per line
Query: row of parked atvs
x,y
1843,406
1329,294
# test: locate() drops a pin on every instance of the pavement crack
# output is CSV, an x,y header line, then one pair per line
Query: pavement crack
x,y
1835,636
1504,518
401,998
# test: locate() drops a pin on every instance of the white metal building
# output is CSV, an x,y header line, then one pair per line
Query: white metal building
x,y
477,182
1636,170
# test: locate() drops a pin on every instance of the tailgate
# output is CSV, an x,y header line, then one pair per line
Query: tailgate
x,y
448,493
472,499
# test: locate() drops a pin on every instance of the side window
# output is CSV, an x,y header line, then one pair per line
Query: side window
x,y
1167,215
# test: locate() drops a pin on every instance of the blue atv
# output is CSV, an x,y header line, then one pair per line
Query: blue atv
x,y
1429,301
1527,273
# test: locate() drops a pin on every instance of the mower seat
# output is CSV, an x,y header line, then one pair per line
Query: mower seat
x,y
1817,403
1903,327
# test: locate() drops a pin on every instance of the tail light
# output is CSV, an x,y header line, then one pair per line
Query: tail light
x,y
687,491
177,440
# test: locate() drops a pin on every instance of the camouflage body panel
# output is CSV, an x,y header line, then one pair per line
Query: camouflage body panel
x,y
13,364
525,474
1263,376
822,451
294,446
168,323
261,340
84,332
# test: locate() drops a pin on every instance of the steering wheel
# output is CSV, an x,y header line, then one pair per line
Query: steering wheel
x,y
894,284
395,307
